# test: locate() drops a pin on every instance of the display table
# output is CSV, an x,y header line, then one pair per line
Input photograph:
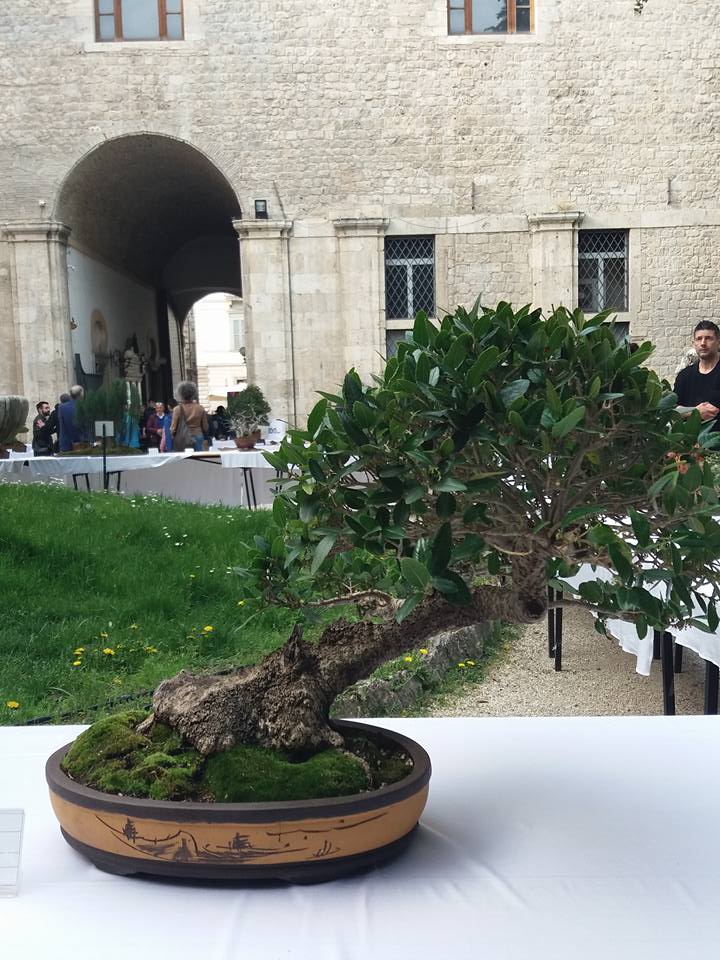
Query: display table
x,y
193,477
567,838
654,645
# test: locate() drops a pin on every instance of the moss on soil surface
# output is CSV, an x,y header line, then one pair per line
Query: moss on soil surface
x,y
110,756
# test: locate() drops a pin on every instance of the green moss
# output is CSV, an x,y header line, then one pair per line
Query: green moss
x,y
110,756
253,774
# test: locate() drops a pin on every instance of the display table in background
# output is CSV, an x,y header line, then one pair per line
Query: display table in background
x,y
194,477
561,838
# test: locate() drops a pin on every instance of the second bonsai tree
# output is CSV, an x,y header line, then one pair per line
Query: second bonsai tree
x,y
248,411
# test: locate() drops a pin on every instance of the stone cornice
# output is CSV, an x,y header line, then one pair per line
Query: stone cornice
x,y
360,226
262,229
34,231
555,221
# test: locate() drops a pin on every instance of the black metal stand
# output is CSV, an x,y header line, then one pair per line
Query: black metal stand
x,y
555,627
665,642
87,480
104,455
712,671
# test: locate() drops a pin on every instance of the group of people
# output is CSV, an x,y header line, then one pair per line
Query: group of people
x,y
182,423
54,428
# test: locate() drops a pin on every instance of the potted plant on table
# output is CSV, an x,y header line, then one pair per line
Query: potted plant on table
x,y
502,443
13,415
248,411
119,402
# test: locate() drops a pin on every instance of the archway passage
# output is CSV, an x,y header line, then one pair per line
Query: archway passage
x,y
151,233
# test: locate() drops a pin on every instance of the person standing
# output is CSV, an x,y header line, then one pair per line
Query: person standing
x,y
158,428
68,430
698,386
44,426
189,419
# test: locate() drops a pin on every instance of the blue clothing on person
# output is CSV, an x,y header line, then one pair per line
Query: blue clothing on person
x,y
68,431
164,421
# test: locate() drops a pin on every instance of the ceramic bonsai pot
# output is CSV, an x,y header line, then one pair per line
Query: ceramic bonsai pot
x,y
300,841
248,442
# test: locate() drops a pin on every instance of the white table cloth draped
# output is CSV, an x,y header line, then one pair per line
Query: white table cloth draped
x,y
707,645
557,838
198,481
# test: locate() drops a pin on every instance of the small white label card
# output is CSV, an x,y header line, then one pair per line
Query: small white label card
x,y
11,834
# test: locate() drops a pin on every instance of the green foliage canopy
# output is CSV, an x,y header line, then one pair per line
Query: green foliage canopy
x,y
499,435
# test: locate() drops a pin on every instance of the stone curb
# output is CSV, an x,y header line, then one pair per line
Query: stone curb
x,y
379,697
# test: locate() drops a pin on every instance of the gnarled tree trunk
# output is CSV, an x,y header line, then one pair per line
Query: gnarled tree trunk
x,y
284,701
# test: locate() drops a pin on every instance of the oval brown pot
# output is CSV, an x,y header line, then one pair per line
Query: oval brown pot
x,y
247,443
298,841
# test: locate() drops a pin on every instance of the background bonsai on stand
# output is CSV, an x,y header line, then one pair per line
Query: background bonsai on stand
x,y
248,411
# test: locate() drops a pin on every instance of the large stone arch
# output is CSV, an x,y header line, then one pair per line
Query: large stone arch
x,y
151,223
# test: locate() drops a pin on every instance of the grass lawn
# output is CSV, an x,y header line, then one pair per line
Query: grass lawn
x,y
103,596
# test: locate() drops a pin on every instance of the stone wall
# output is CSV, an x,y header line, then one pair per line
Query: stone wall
x,y
337,111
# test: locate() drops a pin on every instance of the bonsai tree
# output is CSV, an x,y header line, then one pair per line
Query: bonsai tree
x,y
13,414
502,443
248,411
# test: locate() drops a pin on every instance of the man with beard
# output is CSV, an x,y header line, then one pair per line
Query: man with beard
x,y
698,386
44,426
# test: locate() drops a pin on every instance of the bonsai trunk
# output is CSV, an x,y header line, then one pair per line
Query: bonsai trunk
x,y
284,702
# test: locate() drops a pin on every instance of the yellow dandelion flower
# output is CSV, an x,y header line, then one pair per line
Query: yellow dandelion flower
x,y
103,635
117,681
423,652
241,603
77,663
109,652
12,704
208,629
462,666
79,651
150,649
471,663
133,626
408,659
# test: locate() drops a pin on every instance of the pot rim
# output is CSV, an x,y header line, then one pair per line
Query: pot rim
x,y
419,776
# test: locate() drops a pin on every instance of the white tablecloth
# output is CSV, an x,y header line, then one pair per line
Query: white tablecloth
x,y
184,476
707,645
560,838
40,467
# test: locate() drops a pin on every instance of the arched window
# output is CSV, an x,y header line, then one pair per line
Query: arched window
x,y
138,20
491,16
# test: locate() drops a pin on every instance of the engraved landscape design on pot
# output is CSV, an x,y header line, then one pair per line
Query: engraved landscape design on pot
x,y
269,842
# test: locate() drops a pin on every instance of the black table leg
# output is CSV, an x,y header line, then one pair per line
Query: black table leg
x,y
551,623
668,676
711,687
657,644
252,488
558,633
678,658
249,488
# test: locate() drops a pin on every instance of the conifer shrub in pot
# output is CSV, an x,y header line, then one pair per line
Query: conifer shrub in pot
x,y
501,443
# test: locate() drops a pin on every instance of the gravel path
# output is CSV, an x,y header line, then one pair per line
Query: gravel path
x,y
597,679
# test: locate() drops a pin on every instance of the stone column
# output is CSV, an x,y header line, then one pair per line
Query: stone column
x,y
361,297
269,335
553,259
40,308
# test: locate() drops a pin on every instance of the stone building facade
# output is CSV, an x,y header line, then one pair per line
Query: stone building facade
x,y
281,151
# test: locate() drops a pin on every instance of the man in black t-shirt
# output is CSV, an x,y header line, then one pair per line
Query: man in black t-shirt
x,y
698,386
